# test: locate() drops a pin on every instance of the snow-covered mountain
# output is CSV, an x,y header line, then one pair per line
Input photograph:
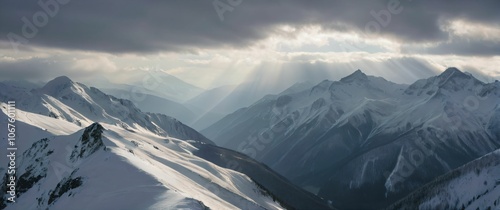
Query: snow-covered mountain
x,y
214,104
62,98
79,147
108,167
266,80
365,142
475,185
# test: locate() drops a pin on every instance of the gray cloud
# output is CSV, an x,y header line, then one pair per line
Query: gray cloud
x,y
42,70
459,46
138,26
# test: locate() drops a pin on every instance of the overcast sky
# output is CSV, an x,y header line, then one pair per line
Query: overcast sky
x,y
212,43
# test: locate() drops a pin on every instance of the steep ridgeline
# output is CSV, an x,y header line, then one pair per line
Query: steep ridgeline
x,y
64,99
364,142
107,167
475,185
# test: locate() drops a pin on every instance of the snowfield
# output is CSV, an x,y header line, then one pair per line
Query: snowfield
x,y
105,166
475,185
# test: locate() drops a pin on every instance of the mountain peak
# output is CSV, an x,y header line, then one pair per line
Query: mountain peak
x,y
357,75
60,80
450,79
453,73
450,72
57,84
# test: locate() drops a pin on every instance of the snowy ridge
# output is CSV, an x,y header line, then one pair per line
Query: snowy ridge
x,y
105,166
64,99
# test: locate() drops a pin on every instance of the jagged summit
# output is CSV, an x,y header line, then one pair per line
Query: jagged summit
x,y
452,72
357,75
452,79
456,79
94,127
89,143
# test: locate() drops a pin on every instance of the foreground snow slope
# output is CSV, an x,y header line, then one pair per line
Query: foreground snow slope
x,y
61,166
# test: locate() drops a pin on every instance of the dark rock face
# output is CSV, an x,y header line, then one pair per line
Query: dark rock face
x,y
89,143
37,169
33,168
63,187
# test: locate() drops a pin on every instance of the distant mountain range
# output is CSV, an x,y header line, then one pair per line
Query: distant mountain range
x,y
364,142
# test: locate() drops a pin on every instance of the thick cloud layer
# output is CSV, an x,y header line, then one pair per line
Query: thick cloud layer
x,y
151,26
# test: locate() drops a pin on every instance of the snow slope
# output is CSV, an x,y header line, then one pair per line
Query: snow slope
x,y
475,185
109,167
